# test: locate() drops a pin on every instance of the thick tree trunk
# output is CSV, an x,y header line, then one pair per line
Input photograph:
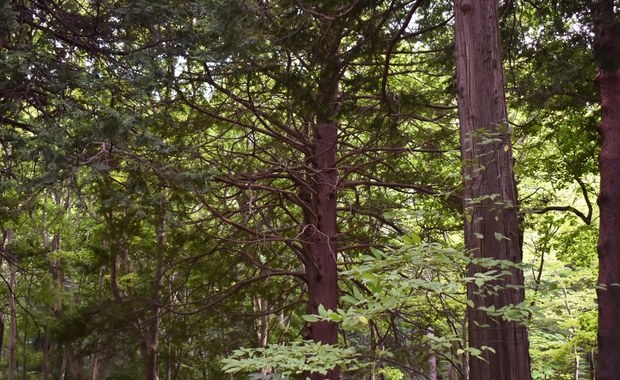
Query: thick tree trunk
x,y
320,230
319,240
607,51
320,235
491,223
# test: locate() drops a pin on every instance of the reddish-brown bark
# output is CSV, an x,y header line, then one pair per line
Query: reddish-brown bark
x,y
491,222
320,240
319,229
607,50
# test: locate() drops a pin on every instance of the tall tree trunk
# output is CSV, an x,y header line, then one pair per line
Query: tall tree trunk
x,y
99,358
53,246
590,357
607,52
9,254
2,319
48,347
100,361
151,330
319,230
75,363
319,240
490,204
25,338
261,307
432,359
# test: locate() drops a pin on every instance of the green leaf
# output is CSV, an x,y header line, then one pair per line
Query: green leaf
x,y
412,239
473,351
377,253
349,299
310,318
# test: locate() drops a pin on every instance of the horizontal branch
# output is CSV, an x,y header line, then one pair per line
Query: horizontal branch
x,y
586,218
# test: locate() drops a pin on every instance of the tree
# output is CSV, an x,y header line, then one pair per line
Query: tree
x,y
490,201
607,52
300,136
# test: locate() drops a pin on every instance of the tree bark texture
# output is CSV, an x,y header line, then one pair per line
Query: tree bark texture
x,y
319,229
607,52
490,204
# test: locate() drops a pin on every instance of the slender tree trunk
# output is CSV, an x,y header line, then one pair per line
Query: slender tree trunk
x,y
151,339
319,229
576,356
432,359
48,347
99,360
53,245
9,253
12,344
2,320
577,363
463,370
607,51
25,337
75,363
490,204
63,368
590,357
261,306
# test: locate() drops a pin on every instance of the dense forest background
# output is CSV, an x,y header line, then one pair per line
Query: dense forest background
x,y
231,189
